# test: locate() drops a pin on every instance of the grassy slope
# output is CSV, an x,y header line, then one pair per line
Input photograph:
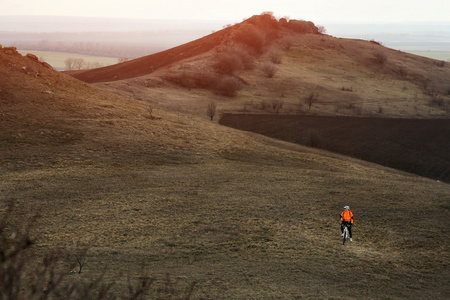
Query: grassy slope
x,y
243,215
315,63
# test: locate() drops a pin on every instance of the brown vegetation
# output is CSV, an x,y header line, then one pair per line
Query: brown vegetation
x,y
241,215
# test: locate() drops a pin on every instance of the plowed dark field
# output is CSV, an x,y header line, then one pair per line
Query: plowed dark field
x,y
412,145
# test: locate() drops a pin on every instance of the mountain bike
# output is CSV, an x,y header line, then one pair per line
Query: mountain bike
x,y
345,234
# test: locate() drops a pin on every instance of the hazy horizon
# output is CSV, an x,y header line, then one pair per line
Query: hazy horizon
x,y
407,36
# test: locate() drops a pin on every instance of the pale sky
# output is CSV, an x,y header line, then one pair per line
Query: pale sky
x,y
317,11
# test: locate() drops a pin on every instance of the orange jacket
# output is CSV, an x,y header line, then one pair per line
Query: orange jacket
x,y
347,216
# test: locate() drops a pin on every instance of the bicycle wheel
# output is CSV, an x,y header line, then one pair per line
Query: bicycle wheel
x,y
345,235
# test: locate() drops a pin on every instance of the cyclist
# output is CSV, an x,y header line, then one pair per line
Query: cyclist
x,y
347,219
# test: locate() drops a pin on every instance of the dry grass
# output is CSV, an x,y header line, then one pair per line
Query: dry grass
x,y
242,215
315,63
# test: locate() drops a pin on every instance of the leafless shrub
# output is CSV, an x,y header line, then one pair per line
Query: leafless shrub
x,y
380,57
269,69
24,276
440,63
376,42
275,56
192,79
401,71
211,109
228,86
436,100
312,98
277,105
302,26
313,138
380,109
150,112
264,104
93,65
78,254
69,62
321,29
347,89
286,43
228,63
79,63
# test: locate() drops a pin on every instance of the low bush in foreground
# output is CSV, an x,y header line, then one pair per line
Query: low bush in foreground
x,y
25,276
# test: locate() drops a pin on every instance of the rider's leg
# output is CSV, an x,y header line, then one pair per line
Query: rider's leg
x,y
350,230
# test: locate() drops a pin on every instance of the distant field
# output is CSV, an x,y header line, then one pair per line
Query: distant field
x,y
56,59
431,54
411,145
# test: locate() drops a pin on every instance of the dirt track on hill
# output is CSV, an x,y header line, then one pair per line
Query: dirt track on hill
x,y
412,145
148,64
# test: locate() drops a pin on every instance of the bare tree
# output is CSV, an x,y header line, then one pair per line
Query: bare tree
x,y
312,98
93,65
122,59
321,29
78,253
79,63
211,109
69,62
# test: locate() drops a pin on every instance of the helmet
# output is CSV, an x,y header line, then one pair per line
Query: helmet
x,y
346,207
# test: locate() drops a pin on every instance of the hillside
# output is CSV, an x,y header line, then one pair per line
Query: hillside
x,y
263,61
415,146
151,187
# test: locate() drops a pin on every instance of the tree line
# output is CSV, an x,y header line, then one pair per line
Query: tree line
x,y
73,63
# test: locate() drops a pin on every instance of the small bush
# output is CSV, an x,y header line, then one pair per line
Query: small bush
x,y
313,138
380,57
277,105
211,109
301,26
228,86
228,63
231,60
264,104
275,56
401,71
347,89
321,29
440,63
269,69
191,80
376,42
312,98
286,43
436,101
25,276
380,109
251,37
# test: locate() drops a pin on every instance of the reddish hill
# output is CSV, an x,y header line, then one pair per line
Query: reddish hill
x,y
148,64
247,32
